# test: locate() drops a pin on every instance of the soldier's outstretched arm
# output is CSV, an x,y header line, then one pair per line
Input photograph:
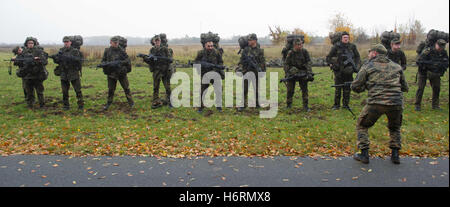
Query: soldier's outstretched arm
x,y
359,84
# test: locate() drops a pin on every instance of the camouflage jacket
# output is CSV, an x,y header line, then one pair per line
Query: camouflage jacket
x,y
255,53
383,79
398,57
438,57
160,65
299,59
70,69
34,69
335,57
213,56
117,54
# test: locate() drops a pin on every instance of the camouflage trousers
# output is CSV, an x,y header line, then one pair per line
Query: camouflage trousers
x,y
32,85
369,116
65,86
340,78
112,83
24,87
435,82
159,76
255,87
217,91
291,89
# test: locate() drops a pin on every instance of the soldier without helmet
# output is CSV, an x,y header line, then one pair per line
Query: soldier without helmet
x,y
396,54
343,72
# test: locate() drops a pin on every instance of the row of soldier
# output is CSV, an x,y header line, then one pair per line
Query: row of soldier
x,y
382,75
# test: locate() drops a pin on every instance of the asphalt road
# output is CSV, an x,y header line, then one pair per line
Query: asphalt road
x,y
58,171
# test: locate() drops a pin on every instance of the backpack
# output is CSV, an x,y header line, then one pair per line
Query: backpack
x,y
211,37
243,43
432,37
164,41
77,41
123,42
290,43
335,37
387,37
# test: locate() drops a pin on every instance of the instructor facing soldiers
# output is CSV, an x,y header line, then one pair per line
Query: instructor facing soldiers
x,y
385,83
344,60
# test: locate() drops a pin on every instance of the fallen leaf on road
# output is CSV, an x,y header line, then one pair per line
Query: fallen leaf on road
x,y
46,184
55,165
164,184
285,180
74,182
142,172
223,178
224,160
434,163
43,176
354,178
338,179
22,162
370,170
210,162
324,180
116,164
142,162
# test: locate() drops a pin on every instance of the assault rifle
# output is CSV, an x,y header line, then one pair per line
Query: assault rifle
x,y
345,84
207,65
349,59
154,58
296,77
251,62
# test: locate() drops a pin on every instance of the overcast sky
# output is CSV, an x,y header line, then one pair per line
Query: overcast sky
x,y
50,20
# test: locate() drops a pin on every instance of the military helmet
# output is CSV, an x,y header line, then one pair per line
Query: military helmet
x,y
115,39
441,43
16,50
154,38
67,39
252,36
31,39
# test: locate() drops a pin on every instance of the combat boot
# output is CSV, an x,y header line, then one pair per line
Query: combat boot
x,y
336,107
395,156
106,107
200,110
219,109
289,105
66,107
363,156
306,109
81,107
418,108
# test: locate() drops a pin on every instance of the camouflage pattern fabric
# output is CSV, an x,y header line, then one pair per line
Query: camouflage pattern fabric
x,y
383,79
398,57
342,73
369,116
298,62
258,55
119,73
213,56
162,71
65,86
431,72
69,70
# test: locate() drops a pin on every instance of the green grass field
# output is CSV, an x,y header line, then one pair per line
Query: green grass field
x,y
181,132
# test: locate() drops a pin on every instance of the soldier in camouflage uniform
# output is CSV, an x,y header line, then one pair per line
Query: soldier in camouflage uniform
x,y
69,67
18,51
34,72
257,54
211,55
119,73
343,72
162,71
434,65
297,62
385,83
396,54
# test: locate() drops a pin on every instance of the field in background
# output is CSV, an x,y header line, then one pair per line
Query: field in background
x,y
183,132
184,53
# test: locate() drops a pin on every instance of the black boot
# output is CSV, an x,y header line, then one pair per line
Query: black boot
x,y
395,156
336,107
289,105
363,156
106,107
